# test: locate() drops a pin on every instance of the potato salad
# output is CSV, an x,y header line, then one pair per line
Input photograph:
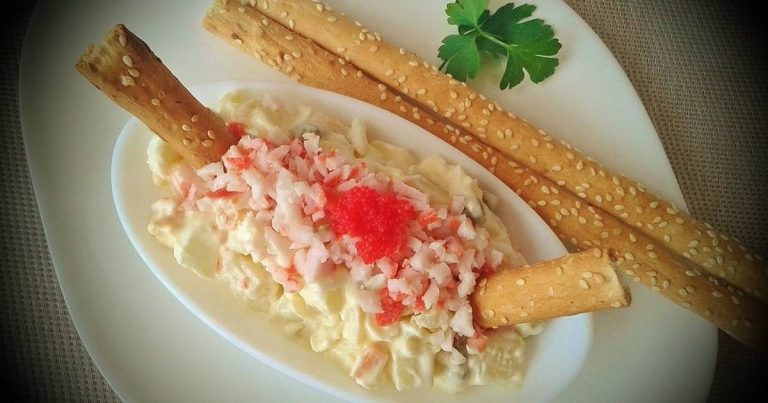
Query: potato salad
x,y
352,246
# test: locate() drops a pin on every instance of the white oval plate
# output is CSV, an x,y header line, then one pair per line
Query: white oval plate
x,y
150,348
554,357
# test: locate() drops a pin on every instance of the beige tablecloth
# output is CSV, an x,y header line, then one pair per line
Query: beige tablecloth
x,y
699,67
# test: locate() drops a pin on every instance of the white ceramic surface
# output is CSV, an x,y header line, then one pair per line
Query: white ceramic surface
x,y
554,358
150,348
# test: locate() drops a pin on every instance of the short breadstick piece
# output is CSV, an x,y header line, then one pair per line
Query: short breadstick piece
x,y
574,221
575,283
125,69
519,140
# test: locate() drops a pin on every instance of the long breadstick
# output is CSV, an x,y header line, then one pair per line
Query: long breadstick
x,y
575,221
126,70
517,139
575,283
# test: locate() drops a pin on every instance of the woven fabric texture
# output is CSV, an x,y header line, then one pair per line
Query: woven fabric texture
x,y
697,65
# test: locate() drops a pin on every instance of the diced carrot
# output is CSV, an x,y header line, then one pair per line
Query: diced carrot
x,y
220,193
391,310
479,342
427,219
419,306
239,163
237,129
486,270
370,364
454,224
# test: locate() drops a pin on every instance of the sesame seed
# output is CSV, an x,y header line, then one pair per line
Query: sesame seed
x,y
211,134
127,60
155,101
289,37
421,91
587,274
186,141
717,294
402,51
207,143
127,81
186,127
373,48
599,278
194,118
122,39
291,24
453,94
584,284
331,18
520,282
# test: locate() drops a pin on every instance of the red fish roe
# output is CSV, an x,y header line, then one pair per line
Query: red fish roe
x,y
378,219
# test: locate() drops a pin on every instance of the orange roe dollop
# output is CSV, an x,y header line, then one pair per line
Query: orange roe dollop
x,y
378,219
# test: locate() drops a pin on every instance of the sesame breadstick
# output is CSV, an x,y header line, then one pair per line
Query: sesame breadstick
x,y
517,139
574,221
125,69
531,293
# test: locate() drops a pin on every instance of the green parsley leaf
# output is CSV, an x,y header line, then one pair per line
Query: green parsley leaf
x,y
528,45
466,12
462,58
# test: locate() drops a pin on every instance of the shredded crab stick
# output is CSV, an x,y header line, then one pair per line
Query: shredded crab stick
x,y
406,254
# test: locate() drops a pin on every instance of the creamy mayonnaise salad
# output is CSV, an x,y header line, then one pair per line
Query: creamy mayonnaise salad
x,y
350,245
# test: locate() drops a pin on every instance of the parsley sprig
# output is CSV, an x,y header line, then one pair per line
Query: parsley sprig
x,y
526,44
